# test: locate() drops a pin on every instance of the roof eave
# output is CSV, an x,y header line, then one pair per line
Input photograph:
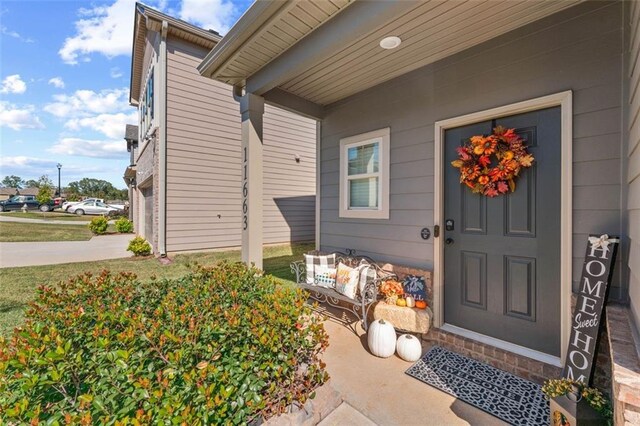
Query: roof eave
x,y
259,14
144,16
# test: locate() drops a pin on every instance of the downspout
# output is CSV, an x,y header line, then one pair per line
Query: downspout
x,y
162,143
237,93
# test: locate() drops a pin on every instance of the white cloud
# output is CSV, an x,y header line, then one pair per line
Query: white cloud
x,y
13,84
84,103
33,167
90,148
6,31
108,30
57,82
217,15
102,29
18,118
23,161
115,72
111,125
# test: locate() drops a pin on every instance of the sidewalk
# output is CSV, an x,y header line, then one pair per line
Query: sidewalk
x,y
55,252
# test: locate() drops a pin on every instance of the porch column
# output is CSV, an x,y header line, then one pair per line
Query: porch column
x,y
251,110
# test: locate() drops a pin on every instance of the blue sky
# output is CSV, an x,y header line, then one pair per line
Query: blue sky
x,y
64,82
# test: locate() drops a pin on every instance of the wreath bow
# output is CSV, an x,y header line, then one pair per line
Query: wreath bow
x,y
489,164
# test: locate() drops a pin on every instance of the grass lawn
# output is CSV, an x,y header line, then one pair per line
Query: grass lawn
x,y
57,215
18,285
11,232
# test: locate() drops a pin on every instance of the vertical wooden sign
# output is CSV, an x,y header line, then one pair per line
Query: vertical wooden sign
x,y
587,314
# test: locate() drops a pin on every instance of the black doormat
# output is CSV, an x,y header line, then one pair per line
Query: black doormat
x,y
501,394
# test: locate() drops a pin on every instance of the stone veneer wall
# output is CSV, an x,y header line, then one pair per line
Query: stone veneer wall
x,y
623,347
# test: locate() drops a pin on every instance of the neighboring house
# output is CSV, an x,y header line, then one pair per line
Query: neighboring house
x,y
29,191
6,193
188,184
565,74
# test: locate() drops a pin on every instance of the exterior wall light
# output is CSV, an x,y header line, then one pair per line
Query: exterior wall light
x,y
390,42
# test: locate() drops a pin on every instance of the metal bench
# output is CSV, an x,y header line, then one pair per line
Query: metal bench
x,y
364,298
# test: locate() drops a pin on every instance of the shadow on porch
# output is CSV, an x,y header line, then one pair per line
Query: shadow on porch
x,y
380,389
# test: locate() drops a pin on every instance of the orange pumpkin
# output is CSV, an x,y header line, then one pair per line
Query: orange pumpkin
x,y
401,302
421,304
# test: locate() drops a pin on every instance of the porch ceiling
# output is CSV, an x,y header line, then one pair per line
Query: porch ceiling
x,y
430,31
286,23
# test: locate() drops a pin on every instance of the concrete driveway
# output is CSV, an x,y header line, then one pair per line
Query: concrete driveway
x,y
55,252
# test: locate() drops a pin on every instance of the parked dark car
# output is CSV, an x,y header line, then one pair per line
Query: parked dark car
x,y
16,203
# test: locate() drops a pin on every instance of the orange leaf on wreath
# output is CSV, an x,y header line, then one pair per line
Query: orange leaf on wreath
x,y
475,159
484,161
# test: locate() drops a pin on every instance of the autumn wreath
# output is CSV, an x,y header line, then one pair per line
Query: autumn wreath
x,y
489,164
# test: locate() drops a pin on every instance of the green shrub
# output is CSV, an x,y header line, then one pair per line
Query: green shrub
x,y
124,225
99,225
139,247
222,345
553,388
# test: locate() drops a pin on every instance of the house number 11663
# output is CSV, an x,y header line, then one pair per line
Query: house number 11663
x,y
245,192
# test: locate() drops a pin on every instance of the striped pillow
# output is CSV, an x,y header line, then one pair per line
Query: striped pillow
x,y
367,273
328,261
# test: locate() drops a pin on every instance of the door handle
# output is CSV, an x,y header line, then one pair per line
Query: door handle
x,y
448,241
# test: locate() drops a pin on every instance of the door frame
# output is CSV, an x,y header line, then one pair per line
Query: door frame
x,y
564,101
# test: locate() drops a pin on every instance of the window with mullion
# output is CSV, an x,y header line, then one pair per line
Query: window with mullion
x,y
364,175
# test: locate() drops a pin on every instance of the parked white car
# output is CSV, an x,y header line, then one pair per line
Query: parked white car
x,y
92,207
67,204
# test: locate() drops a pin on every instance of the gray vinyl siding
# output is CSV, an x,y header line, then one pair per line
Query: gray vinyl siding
x,y
579,49
203,163
633,165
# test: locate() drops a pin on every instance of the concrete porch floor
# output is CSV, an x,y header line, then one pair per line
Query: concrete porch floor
x,y
380,390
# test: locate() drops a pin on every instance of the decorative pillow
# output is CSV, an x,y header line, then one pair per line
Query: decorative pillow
x,y
415,287
367,273
325,277
347,280
328,261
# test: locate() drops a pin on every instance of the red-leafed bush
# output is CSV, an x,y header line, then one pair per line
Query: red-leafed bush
x,y
220,345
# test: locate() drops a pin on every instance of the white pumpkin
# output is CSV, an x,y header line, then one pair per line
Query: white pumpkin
x,y
411,302
409,348
381,338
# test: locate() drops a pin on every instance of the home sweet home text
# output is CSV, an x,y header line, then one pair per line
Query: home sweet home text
x,y
587,316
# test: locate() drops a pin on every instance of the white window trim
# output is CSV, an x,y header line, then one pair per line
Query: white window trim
x,y
382,212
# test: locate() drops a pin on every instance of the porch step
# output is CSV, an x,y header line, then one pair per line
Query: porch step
x,y
345,414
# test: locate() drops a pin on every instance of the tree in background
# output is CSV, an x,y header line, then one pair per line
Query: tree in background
x,y
98,188
45,189
42,180
13,181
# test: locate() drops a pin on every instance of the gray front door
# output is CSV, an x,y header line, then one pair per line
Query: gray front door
x,y
502,257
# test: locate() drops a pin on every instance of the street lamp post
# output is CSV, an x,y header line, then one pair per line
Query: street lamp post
x,y
59,189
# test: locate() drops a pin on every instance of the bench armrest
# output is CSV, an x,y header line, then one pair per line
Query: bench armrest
x,y
299,269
